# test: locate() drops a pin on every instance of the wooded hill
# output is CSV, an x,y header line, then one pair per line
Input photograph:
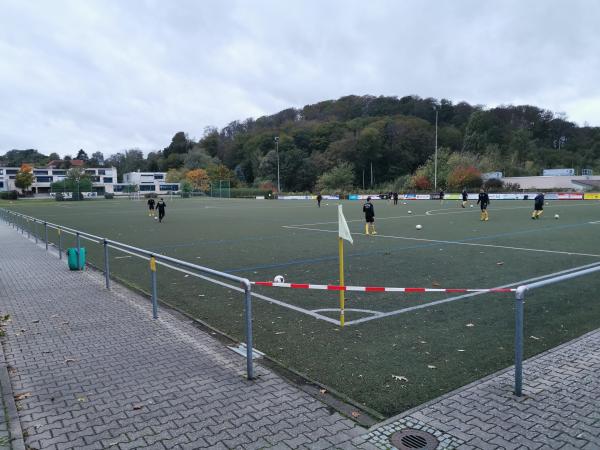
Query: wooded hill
x,y
332,145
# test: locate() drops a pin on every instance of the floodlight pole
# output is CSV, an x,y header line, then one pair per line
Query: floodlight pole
x,y
436,151
277,150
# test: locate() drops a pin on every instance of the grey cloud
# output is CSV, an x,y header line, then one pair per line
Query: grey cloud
x,y
110,75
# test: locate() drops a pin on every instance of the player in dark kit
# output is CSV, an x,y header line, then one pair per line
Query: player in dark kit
x,y
319,198
161,209
395,195
369,217
151,207
442,197
465,197
538,207
484,201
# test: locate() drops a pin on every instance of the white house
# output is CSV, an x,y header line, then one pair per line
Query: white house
x,y
147,182
103,178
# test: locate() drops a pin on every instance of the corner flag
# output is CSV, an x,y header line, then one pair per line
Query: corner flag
x,y
343,231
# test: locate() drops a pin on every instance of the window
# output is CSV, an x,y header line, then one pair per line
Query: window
x,y
108,179
158,176
169,187
96,179
1,184
40,172
12,177
101,172
11,171
59,172
1,171
90,171
43,179
147,187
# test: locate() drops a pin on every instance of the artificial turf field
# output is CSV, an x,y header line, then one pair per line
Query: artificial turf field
x,y
387,358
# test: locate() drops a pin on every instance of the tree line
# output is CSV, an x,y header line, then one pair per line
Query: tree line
x,y
358,142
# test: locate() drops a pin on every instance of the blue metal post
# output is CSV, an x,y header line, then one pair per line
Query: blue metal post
x,y
106,266
46,234
248,298
153,280
519,301
59,244
35,230
79,265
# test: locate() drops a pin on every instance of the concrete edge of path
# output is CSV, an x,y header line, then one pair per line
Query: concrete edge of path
x,y
484,380
14,423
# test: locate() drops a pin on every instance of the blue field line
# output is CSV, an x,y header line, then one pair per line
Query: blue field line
x,y
381,252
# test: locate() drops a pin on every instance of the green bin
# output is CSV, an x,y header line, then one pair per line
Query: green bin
x,y
72,258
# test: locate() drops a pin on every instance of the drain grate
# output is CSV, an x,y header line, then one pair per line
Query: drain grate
x,y
410,439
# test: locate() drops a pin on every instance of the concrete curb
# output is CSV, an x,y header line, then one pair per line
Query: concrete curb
x,y
14,423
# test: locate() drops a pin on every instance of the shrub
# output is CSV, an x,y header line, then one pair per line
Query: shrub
x,y
109,196
421,183
185,194
493,184
9,195
464,177
59,197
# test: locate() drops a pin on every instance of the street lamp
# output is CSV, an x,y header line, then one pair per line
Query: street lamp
x,y
436,152
277,150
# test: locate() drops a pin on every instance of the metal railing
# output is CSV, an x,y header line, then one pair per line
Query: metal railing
x,y
519,313
22,223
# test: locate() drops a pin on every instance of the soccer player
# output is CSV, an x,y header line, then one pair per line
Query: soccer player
x,y
441,197
319,198
465,197
484,200
395,194
369,217
151,207
538,208
161,209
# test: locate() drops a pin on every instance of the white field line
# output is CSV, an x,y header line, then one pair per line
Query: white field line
x,y
454,242
460,297
594,223
461,211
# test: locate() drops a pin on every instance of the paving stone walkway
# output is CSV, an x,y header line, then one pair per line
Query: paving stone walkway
x,y
93,370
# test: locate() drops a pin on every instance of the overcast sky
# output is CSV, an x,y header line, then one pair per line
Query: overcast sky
x,y
110,75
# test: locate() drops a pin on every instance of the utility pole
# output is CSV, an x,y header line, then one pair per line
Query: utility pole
x,y
371,174
436,151
277,150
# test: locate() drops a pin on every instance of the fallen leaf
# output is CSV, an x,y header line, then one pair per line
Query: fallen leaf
x,y
65,323
81,399
500,263
435,284
22,396
322,391
280,332
460,350
399,378
423,342
136,407
36,321
470,325
536,338
69,360
431,366
355,414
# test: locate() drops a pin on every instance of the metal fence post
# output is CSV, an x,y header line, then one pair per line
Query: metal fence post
x,y
248,298
59,244
35,230
78,252
153,280
28,230
106,267
519,301
46,234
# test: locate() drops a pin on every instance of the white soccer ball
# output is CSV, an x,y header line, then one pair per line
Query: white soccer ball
x,y
410,212
471,206
279,279
155,218
404,203
418,227
556,216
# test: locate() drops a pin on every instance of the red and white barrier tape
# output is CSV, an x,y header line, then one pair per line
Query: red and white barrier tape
x,y
333,287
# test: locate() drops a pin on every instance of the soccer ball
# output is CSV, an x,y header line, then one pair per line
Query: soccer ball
x,y
418,227
410,212
471,206
155,217
279,279
556,216
404,203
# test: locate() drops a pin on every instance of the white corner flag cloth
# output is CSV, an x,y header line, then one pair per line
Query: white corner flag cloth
x,y
344,232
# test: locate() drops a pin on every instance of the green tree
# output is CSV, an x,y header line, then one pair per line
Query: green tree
x,y
338,179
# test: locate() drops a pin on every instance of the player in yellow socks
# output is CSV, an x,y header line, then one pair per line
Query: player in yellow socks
x,y
369,217
538,208
483,201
